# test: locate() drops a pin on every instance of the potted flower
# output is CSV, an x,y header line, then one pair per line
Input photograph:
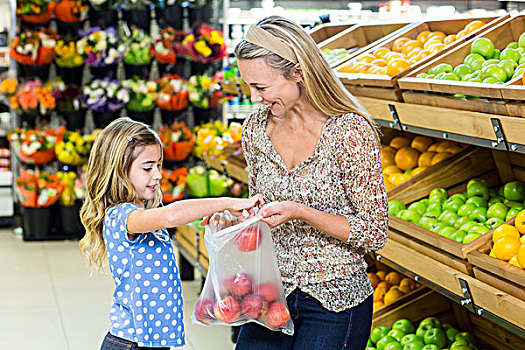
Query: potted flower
x,y
32,101
199,12
137,57
177,141
205,96
138,13
69,63
69,104
34,52
73,148
38,192
70,16
163,49
102,51
35,146
34,14
105,98
102,13
70,202
172,98
202,48
141,104
173,184
169,14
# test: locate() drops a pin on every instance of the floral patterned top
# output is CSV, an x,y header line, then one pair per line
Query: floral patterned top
x,y
342,177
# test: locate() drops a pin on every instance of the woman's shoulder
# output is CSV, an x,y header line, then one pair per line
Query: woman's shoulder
x,y
257,117
354,124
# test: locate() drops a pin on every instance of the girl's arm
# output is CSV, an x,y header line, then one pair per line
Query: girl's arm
x,y
186,211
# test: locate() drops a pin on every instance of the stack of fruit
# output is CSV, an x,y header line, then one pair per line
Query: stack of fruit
x,y
484,64
406,52
508,245
390,286
431,334
404,158
463,217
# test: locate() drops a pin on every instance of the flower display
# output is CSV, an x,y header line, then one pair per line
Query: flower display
x,y
8,86
205,91
71,10
138,46
35,11
206,183
39,189
173,94
101,47
73,148
32,98
212,138
103,95
35,146
142,94
206,45
103,4
34,47
66,54
68,98
74,186
173,184
177,141
163,48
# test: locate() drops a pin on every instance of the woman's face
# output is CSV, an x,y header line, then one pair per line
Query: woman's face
x,y
269,87
145,172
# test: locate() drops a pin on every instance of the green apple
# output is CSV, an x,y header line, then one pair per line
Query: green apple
x,y
453,204
513,212
476,74
451,334
430,322
436,227
441,68
436,336
518,72
466,209
438,195
521,40
521,50
404,325
460,221
381,343
522,60
483,47
492,80
475,80
396,333
427,222
414,345
494,71
421,208
478,215
489,62
435,206
459,342
512,45
430,347
477,202
446,231
430,76
511,204
468,225
422,75
448,217
378,333
410,216
497,210
466,335
496,199
510,54
411,338
473,57
394,207
466,77
496,54
470,237
494,222
478,188
458,236
460,196
450,76
393,346
509,67
514,191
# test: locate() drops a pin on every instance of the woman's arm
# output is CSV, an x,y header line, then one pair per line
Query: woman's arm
x,y
185,211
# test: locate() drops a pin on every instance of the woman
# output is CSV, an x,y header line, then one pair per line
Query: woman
x,y
314,149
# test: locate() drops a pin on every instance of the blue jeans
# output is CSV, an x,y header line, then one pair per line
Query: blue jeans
x,y
315,328
115,343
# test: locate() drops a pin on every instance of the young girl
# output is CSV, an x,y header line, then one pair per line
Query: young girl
x,y
123,221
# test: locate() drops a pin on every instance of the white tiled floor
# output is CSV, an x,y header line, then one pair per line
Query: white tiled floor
x,y
49,301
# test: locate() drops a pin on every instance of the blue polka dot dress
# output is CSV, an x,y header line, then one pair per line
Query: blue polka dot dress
x,y
147,302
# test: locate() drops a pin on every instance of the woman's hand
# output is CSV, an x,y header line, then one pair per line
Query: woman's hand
x,y
279,213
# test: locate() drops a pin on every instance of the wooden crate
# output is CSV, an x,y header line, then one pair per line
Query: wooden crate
x,y
501,34
325,31
213,162
360,38
385,81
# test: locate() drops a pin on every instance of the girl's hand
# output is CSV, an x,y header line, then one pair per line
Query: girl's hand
x,y
238,205
279,213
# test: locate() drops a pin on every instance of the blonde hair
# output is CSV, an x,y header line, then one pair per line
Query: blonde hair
x,y
107,181
323,89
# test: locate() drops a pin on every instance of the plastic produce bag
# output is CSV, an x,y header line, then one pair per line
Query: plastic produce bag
x,y
243,283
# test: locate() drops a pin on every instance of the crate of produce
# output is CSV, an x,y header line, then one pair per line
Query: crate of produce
x,y
324,31
380,67
350,42
464,78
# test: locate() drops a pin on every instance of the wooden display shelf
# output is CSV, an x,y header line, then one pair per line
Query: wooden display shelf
x,y
384,81
192,241
361,37
501,34
378,109
213,162
328,30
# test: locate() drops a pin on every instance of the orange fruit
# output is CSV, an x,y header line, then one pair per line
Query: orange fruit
x,y
423,53
374,280
506,247
387,158
367,58
399,142
432,41
379,293
440,157
364,67
514,261
379,62
377,305
406,158
388,185
374,69
504,230
409,46
388,148
392,295
421,143
423,36
391,169
473,26
381,274
519,222
522,239
449,39
453,150
399,43
437,34
393,56
381,52
415,51
418,170
397,66
393,278
436,48
461,34
521,256
442,146
425,159
384,283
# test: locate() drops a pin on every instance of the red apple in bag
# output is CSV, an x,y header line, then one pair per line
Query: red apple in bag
x,y
277,315
248,239
267,290
238,285
227,310
253,306
204,310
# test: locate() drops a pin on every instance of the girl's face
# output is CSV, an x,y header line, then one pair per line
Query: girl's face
x,y
145,172
269,87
